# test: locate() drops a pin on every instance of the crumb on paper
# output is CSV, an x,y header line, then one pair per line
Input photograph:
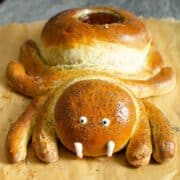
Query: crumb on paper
x,y
176,129
32,173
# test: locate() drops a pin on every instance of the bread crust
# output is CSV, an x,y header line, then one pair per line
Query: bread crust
x,y
20,132
94,60
96,99
163,137
32,77
67,28
44,138
139,149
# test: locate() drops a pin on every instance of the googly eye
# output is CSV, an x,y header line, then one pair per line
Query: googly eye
x,y
105,122
83,120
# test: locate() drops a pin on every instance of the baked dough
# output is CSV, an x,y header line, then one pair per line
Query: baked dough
x,y
34,76
102,37
38,78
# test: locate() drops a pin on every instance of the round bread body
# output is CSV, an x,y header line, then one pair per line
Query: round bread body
x,y
96,37
94,112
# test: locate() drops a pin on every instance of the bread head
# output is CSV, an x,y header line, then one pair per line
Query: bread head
x,y
95,100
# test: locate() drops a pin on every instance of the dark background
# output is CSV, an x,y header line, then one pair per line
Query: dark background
x,y
32,10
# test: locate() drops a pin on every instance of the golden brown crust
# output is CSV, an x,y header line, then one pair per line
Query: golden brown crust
x,y
163,137
139,149
160,84
93,92
155,61
32,86
28,85
67,28
44,139
31,58
33,77
20,132
95,99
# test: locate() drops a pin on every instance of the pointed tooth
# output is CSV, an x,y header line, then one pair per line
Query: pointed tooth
x,y
110,148
78,149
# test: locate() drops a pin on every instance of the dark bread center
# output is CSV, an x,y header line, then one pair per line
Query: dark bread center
x,y
101,18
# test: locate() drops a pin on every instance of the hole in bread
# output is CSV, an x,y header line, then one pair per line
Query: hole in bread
x,y
101,18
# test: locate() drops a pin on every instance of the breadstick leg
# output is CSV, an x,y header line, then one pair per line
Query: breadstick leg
x,y
161,83
20,132
164,140
31,59
139,149
44,138
24,83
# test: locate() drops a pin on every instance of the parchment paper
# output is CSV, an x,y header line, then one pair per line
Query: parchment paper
x,y
166,34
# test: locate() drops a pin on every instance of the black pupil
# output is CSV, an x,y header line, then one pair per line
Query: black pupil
x,y
104,122
82,120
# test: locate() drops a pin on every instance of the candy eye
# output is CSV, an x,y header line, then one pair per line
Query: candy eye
x,y
83,120
105,122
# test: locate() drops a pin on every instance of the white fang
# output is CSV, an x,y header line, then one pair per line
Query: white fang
x,y
79,149
110,148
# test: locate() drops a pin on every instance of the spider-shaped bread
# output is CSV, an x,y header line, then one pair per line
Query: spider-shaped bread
x,y
86,78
